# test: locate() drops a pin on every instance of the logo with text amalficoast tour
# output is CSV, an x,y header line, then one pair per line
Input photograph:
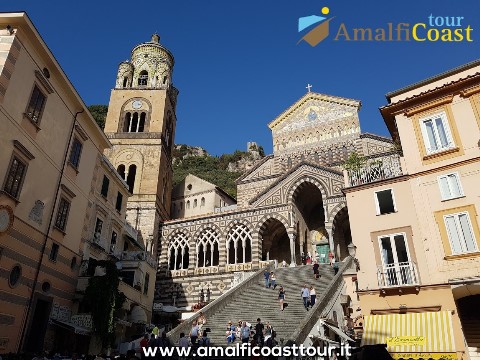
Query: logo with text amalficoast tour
x,y
434,28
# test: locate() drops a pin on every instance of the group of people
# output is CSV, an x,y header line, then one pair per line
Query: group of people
x,y
199,335
307,259
309,296
260,335
270,279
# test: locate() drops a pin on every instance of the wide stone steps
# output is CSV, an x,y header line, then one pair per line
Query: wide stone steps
x,y
259,302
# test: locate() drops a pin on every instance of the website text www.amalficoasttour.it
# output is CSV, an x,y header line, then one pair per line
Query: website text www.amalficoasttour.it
x,y
242,350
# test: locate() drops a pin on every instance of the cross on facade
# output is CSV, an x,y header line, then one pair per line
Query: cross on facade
x,y
308,87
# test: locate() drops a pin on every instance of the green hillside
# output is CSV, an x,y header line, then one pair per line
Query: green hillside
x,y
210,168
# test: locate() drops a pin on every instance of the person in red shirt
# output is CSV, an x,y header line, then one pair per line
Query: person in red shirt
x,y
144,344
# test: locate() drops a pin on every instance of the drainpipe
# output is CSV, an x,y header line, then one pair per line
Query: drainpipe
x,y
45,241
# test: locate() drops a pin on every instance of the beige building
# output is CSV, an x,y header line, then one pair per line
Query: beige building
x,y
194,196
50,146
415,222
108,236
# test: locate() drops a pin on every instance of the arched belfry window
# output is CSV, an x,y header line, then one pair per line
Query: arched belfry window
x,y
121,171
141,124
125,81
178,252
143,78
207,248
134,123
239,245
128,122
132,171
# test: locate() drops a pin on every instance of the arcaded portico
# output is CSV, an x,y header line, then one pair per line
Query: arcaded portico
x,y
289,203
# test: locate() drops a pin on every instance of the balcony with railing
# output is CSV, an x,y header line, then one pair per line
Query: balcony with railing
x,y
397,274
98,241
131,231
139,256
375,169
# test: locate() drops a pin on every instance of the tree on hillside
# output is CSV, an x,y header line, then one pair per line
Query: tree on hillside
x,y
99,113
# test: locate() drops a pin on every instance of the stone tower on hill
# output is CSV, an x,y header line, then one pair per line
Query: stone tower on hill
x,y
140,125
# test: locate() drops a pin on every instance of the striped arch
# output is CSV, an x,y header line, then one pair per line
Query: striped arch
x,y
306,179
261,223
179,251
342,206
175,232
232,223
213,226
341,232
239,242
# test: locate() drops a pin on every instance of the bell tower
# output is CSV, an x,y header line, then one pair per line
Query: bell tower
x,y
140,124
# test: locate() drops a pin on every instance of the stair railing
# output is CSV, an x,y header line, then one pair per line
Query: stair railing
x,y
216,305
306,325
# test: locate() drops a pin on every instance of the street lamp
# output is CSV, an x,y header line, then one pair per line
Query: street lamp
x,y
352,251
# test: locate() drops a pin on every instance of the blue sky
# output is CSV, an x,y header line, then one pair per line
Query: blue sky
x,y
238,64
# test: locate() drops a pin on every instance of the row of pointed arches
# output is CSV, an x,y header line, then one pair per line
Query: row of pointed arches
x,y
207,248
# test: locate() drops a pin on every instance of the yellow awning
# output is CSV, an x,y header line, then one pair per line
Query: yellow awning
x,y
427,332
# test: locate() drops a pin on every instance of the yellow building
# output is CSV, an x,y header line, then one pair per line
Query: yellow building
x,y
50,144
414,220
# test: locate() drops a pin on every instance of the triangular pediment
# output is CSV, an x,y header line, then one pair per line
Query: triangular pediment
x,y
329,180
262,169
314,110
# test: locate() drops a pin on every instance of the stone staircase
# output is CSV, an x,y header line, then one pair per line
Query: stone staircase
x,y
258,302
471,331
251,300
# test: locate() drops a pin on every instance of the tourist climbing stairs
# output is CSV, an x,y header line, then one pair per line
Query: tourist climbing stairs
x,y
251,300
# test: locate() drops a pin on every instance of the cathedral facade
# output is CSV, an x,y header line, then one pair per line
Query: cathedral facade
x,y
291,202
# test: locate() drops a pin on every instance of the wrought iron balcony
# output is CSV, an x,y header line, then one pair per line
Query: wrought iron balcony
x,y
375,169
397,274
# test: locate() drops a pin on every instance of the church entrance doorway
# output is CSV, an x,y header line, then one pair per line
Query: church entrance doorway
x,y
275,241
308,201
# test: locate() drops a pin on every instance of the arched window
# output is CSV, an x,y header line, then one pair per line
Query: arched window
x,y
141,124
125,79
187,205
121,171
134,123
207,248
195,203
178,252
143,78
128,122
202,202
240,240
132,171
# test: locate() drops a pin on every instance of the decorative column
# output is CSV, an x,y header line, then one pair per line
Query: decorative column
x,y
227,247
330,239
292,249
